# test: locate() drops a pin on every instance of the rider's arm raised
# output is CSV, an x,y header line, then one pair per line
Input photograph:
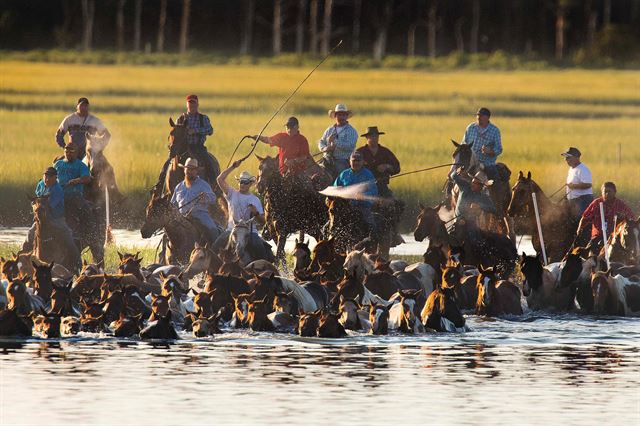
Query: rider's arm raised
x,y
222,178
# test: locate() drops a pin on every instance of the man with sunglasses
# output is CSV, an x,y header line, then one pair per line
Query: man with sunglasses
x,y
293,147
243,206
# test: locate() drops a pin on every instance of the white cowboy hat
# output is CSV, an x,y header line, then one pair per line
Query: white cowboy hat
x,y
482,178
246,176
191,163
340,108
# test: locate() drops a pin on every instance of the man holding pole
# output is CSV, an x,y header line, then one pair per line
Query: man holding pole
x,y
612,208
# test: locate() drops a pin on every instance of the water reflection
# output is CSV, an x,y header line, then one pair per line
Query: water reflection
x,y
264,378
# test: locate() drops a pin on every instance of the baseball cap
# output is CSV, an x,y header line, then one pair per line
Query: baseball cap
x,y
82,100
192,97
355,155
572,152
292,121
484,111
51,171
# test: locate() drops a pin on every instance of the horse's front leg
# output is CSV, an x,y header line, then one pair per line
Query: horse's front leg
x,y
280,254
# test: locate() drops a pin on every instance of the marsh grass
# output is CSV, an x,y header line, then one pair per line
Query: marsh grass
x,y
540,113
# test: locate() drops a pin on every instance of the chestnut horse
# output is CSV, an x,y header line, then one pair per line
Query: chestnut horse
x,y
557,227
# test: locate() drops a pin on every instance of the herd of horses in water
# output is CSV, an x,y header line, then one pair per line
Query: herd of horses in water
x,y
339,286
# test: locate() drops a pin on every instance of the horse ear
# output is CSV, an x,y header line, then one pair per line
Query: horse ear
x,y
456,144
171,122
120,256
261,159
161,275
520,175
51,264
529,175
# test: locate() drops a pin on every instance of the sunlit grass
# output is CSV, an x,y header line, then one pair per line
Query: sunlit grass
x,y
539,114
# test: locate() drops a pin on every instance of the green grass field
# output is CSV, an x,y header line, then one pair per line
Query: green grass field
x,y
539,113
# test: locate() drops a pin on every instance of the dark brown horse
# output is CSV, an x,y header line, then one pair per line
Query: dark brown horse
x,y
291,205
496,297
558,229
182,234
489,249
464,156
346,225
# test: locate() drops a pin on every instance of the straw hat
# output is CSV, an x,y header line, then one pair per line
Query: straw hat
x,y
245,175
482,178
191,163
340,108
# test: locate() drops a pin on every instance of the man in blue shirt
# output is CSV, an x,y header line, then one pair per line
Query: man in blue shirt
x,y
50,189
193,196
356,174
486,140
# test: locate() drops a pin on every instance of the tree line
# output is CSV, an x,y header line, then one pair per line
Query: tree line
x,y
543,28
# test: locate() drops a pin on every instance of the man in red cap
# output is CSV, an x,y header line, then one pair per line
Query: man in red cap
x,y
82,125
198,128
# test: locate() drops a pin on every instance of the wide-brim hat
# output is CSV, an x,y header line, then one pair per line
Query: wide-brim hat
x,y
482,178
340,108
191,163
245,175
372,130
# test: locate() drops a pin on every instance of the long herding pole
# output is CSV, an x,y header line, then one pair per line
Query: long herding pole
x,y
535,208
604,235
286,101
106,214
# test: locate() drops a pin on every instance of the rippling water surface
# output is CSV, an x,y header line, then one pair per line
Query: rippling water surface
x,y
533,370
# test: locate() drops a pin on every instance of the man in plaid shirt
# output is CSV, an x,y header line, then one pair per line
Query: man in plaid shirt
x,y
198,128
486,140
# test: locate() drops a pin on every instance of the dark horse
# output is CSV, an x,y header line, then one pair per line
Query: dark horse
x,y
346,225
558,229
181,233
45,245
291,205
489,249
499,191
179,151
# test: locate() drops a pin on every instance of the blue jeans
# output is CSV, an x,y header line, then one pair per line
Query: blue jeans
x,y
208,224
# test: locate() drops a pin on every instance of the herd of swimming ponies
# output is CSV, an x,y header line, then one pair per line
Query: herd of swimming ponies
x,y
331,293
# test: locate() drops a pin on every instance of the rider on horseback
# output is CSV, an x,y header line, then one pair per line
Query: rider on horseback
x,y
193,197
293,148
358,174
472,199
50,188
82,125
486,142
338,141
243,206
198,128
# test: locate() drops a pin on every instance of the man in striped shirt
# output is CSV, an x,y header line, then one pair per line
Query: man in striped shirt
x,y
338,141
484,138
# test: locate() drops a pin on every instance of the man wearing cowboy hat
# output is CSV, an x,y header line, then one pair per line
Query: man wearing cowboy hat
x,y
485,140
338,141
243,206
380,160
193,196
293,147
472,200
50,188
82,125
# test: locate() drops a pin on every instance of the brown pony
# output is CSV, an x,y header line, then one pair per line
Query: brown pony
x,y
490,248
202,259
291,205
557,227
615,295
329,325
624,243
496,297
130,264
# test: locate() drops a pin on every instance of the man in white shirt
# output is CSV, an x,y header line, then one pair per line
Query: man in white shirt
x,y
579,182
243,205
82,125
